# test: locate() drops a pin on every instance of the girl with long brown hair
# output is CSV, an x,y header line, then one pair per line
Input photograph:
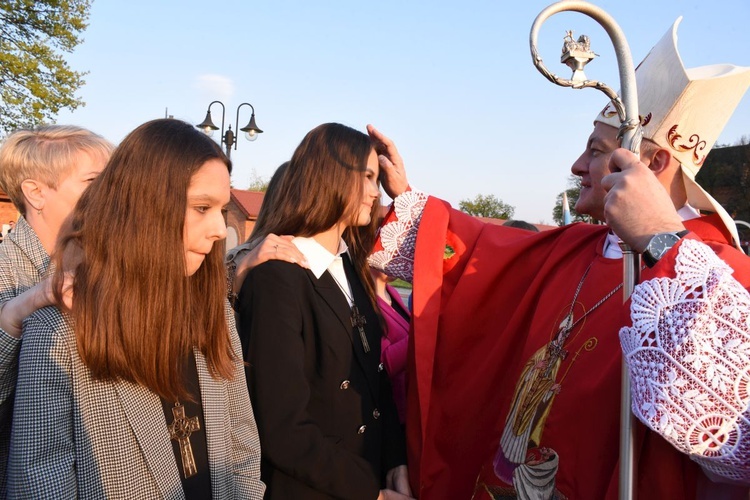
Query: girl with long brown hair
x,y
138,391
326,417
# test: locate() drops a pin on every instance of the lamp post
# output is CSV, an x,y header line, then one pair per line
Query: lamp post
x,y
228,138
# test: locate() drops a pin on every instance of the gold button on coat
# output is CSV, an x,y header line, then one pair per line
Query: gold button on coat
x,y
361,429
344,385
380,367
375,414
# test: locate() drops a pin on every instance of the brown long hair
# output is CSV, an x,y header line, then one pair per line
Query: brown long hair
x,y
137,315
268,215
321,186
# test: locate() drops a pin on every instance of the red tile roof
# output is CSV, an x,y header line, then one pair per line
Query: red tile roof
x,y
500,222
248,201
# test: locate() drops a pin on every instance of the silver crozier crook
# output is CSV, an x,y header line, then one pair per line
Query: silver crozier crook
x,y
576,54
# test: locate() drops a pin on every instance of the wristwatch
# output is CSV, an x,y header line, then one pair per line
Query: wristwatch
x,y
660,244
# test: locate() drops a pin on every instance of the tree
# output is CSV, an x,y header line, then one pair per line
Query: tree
x,y
574,190
257,182
487,206
35,80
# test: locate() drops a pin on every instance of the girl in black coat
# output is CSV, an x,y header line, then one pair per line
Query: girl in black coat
x,y
325,413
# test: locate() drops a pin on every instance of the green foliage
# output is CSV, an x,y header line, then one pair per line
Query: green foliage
x,y
257,182
401,284
35,80
574,190
487,206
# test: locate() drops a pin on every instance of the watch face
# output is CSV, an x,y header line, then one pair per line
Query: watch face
x,y
661,243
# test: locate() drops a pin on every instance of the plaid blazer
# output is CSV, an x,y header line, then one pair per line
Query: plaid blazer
x,y
76,437
23,263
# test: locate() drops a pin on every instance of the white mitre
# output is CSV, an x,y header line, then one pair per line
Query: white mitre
x,y
685,110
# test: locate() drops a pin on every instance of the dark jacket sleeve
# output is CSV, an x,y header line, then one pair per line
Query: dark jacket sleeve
x,y
274,319
394,440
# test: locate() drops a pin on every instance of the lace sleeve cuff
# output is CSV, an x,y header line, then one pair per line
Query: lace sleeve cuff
x,y
398,236
688,352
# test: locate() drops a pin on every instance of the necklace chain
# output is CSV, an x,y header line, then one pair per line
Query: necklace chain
x,y
343,288
358,320
565,331
556,347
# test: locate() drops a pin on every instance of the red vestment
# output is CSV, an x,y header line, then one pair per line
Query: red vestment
x,y
487,301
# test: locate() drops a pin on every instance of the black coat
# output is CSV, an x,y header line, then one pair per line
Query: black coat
x,y
326,418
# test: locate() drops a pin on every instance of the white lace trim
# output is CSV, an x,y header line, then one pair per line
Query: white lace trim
x,y
689,357
399,237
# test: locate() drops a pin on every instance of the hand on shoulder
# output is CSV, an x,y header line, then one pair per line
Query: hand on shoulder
x,y
272,247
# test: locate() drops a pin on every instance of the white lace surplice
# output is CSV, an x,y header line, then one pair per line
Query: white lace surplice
x,y
689,357
399,237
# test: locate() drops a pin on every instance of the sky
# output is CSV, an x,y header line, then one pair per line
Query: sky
x,y
452,83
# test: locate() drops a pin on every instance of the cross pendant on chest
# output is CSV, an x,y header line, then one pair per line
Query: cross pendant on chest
x,y
359,321
180,430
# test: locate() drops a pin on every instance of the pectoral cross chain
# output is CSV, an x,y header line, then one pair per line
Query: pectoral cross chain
x,y
359,321
180,430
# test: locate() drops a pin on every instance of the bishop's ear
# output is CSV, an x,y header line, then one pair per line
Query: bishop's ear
x,y
661,159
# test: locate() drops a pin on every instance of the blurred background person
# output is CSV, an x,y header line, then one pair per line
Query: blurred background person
x,y
521,224
261,245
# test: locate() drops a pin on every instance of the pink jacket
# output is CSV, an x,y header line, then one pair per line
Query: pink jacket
x,y
393,348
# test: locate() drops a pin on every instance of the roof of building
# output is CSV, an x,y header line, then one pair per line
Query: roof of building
x,y
500,222
248,201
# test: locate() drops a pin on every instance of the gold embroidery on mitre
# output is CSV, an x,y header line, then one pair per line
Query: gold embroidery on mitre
x,y
609,111
694,143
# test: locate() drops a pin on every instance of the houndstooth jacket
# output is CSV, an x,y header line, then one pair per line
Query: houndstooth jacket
x,y
23,263
76,437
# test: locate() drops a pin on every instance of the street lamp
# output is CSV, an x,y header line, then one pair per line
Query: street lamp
x,y
227,138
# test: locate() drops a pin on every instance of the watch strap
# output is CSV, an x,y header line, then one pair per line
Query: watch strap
x,y
649,259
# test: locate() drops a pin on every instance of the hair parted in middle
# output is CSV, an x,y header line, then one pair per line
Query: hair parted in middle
x,y
137,314
322,186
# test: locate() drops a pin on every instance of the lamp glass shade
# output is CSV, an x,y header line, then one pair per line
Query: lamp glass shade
x,y
207,125
251,129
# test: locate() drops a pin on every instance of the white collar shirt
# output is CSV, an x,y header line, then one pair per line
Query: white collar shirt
x,y
321,260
